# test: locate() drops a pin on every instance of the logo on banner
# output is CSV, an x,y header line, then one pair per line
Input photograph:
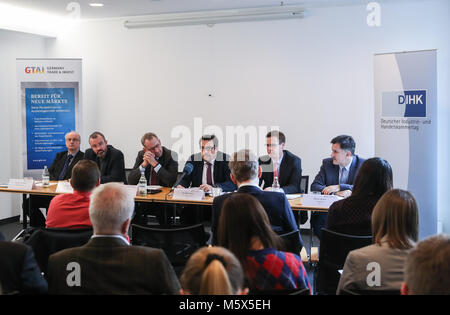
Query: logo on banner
x,y
404,104
34,70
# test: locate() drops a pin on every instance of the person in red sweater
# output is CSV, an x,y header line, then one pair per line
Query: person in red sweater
x,y
72,210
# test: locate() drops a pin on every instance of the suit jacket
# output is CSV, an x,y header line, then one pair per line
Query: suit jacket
x,y
329,174
167,174
289,175
110,266
276,205
221,172
58,165
112,167
19,271
391,263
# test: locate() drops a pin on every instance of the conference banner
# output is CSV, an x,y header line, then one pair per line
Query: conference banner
x,y
50,96
406,126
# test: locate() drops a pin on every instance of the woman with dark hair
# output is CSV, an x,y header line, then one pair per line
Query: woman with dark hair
x,y
380,266
353,214
245,230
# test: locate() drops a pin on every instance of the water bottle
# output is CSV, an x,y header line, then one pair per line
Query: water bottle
x,y
276,185
45,177
142,185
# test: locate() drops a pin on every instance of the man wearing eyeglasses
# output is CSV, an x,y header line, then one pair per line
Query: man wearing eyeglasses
x,y
159,163
280,163
210,170
61,169
210,167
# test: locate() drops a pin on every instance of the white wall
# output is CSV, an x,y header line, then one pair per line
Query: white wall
x,y
312,77
13,45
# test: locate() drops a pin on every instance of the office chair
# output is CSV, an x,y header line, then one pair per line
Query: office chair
x,y
291,242
177,243
303,291
334,248
368,292
303,215
47,241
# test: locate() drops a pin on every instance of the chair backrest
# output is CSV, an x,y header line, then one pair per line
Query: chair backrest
x,y
303,291
47,241
369,292
291,242
304,180
177,243
334,248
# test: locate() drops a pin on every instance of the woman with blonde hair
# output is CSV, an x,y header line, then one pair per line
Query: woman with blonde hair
x,y
395,226
213,271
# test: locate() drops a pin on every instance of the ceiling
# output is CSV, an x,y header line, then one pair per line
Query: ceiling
x,y
120,8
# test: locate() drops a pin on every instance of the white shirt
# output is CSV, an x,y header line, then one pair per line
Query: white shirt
x,y
347,168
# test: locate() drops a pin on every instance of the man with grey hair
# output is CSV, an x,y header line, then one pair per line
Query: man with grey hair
x,y
427,267
245,173
107,264
60,169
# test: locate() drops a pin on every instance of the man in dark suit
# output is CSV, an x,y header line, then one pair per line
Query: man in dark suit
x,y
280,163
160,166
337,175
107,264
245,172
210,170
110,161
210,167
61,169
19,271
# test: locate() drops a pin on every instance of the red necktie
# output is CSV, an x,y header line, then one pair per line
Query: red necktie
x,y
275,170
209,180
154,180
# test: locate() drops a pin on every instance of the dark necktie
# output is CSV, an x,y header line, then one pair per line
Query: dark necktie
x,y
154,177
66,164
209,180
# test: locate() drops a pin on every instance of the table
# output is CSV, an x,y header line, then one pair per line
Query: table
x,y
164,196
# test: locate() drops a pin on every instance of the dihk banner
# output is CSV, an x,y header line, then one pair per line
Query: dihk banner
x,y
405,126
50,94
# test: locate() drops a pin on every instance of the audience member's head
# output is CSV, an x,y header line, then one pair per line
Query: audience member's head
x,y
85,176
427,269
213,271
244,167
374,178
244,223
110,209
395,219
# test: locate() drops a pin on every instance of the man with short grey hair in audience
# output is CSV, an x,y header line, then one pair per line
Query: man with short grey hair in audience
x,y
107,264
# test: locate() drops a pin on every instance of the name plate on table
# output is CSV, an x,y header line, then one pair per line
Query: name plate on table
x,y
21,184
194,194
316,200
64,187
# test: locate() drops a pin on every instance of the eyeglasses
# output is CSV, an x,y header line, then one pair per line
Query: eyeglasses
x,y
73,139
208,149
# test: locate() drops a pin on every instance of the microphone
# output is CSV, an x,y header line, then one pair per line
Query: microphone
x,y
188,168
